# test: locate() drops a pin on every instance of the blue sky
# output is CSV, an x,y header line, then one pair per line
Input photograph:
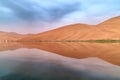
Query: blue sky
x,y
40,15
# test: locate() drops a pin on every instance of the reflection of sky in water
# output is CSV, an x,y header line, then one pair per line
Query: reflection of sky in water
x,y
28,64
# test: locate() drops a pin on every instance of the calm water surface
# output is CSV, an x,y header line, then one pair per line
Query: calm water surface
x,y
59,61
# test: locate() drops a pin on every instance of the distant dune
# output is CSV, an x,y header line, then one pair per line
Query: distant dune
x,y
10,36
109,29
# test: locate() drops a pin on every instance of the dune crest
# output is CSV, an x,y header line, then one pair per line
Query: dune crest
x,y
11,36
106,30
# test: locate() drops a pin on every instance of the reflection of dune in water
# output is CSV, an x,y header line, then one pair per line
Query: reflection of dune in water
x,y
37,64
107,51
10,46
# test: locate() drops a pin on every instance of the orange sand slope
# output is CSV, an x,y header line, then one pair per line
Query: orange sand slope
x,y
10,36
109,29
4,36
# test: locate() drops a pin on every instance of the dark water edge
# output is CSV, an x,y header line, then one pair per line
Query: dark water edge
x,y
25,77
90,41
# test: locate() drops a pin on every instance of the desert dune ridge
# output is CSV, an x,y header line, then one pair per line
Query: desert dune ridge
x,y
107,31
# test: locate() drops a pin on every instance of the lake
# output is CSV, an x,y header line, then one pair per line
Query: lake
x,y
59,61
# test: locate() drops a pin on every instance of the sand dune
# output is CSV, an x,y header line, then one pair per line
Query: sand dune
x,y
106,30
67,32
10,36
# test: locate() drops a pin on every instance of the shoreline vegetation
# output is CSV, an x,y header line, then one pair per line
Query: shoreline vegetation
x,y
92,41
